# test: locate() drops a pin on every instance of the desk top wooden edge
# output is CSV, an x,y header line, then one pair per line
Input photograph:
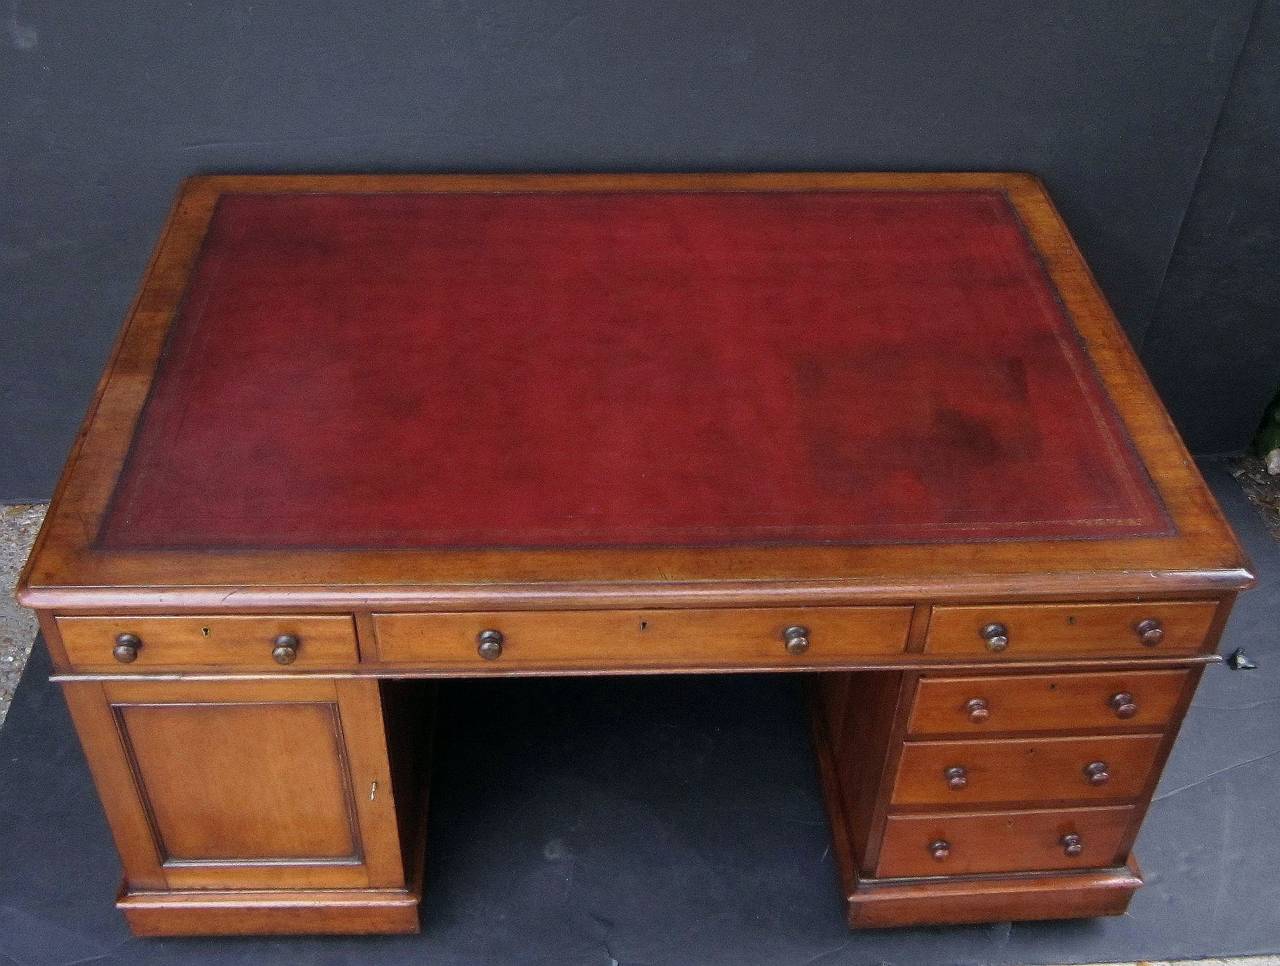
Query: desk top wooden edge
x,y
65,571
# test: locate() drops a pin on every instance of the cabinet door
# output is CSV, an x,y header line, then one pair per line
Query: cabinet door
x,y
243,785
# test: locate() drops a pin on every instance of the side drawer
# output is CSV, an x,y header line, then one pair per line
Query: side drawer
x,y
1024,770
244,643
1046,702
1026,841
643,638
1019,631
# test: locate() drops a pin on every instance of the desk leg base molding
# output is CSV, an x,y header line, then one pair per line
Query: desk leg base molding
x,y
270,912
1071,895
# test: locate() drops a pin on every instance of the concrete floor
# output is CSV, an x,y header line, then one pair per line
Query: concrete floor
x,y
18,527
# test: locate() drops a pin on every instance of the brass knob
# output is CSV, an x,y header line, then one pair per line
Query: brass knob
x,y
978,710
1096,773
489,644
796,639
996,636
957,777
126,649
1123,705
286,649
1072,845
1150,631
940,849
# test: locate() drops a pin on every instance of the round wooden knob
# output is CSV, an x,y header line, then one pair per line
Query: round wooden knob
x,y
1096,773
957,777
996,636
796,639
1123,705
1072,845
285,650
978,710
940,849
1150,631
126,649
489,644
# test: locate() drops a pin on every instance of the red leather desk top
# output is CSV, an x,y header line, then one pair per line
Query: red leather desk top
x,y
622,369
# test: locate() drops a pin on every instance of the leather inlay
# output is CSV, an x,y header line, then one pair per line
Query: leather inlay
x,y
623,369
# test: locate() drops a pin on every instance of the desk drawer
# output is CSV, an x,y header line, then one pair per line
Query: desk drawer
x,y
1019,631
1025,770
239,643
1026,841
643,638
1046,702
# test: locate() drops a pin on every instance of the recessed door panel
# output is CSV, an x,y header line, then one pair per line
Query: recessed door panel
x,y
262,784
244,782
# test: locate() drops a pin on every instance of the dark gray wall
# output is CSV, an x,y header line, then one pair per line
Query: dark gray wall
x,y
1213,347
108,105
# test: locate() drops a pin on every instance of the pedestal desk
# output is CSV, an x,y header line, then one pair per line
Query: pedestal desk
x,y
363,432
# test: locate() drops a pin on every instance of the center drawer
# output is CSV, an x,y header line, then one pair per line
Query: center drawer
x,y
746,637
1025,770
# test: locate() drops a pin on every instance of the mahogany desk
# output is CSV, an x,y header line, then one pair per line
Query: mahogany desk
x,y
361,432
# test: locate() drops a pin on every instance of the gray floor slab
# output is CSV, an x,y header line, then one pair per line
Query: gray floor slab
x,y
18,526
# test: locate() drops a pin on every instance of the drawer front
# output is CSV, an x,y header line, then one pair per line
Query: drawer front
x,y
1020,631
1024,841
642,638
238,642
1027,770
1046,702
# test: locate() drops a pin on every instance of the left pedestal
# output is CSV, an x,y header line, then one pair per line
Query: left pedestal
x,y
244,807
